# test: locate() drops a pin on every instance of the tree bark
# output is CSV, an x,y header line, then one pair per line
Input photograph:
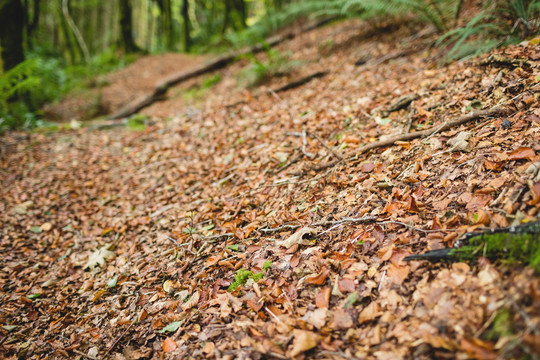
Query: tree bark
x,y
186,32
126,27
11,33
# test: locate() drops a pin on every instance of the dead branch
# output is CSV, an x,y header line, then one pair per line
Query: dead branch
x,y
335,153
301,81
418,134
222,61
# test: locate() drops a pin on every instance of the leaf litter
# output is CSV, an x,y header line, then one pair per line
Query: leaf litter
x,y
251,182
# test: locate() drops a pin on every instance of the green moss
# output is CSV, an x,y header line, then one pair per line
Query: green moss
x,y
521,245
502,325
242,276
137,122
267,265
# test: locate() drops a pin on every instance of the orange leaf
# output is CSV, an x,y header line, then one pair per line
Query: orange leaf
x,y
169,345
318,279
521,153
322,298
478,349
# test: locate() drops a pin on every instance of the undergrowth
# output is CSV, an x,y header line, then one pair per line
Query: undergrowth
x,y
42,79
258,72
500,23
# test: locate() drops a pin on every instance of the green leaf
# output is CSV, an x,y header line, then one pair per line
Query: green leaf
x,y
9,327
382,121
36,229
112,282
351,299
172,327
233,247
34,296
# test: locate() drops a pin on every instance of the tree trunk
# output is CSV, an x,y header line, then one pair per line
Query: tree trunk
x,y
11,33
240,6
33,22
227,16
186,34
126,27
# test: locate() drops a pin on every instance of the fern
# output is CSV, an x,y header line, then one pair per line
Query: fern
x,y
502,24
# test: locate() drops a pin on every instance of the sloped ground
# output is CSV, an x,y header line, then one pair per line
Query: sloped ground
x,y
188,203
112,91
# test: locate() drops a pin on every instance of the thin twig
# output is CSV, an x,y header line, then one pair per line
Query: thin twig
x,y
335,153
117,340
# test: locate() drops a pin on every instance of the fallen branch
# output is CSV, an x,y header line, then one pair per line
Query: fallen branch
x,y
447,125
222,61
301,81
334,152
409,136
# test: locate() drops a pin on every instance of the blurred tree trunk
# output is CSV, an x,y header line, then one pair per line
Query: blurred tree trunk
x,y
11,33
67,46
186,32
166,13
240,7
126,27
227,16
32,21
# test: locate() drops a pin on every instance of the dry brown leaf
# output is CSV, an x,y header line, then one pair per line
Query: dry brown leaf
x,y
303,341
322,298
346,285
297,238
341,319
316,317
478,349
521,153
369,313
191,302
318,279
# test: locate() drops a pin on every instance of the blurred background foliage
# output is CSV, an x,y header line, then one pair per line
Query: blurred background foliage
x,y
50,47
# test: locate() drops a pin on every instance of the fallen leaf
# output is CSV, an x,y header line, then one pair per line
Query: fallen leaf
x,y
303,341
459,142
318,279
346,285
521,153
369,313
316,317
322,298
172,327
191,302
46,226
169,345
297,238
341,319
478,349
98,257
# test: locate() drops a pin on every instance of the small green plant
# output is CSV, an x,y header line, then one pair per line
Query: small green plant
x,y
242,276
137,122
267,265
258,72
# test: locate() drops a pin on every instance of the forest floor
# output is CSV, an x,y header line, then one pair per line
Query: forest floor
x,y
246,224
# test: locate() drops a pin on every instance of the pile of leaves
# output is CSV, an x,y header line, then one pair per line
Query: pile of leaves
x,y
253,224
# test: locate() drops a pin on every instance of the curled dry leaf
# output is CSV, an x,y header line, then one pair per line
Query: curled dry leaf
x,y
319,278
191,302
297,238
